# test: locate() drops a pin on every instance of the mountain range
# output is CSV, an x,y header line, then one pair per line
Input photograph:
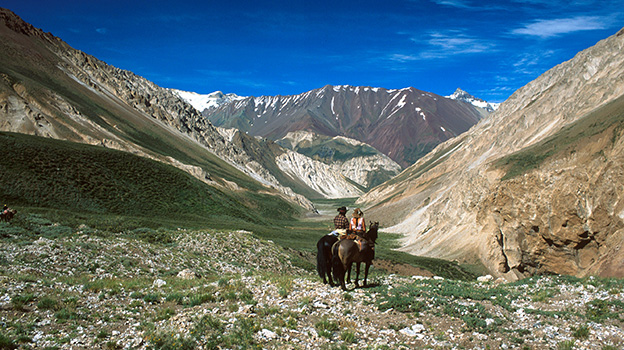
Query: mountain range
x,y
403,124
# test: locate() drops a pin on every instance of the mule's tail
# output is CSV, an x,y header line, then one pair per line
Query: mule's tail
x,y
337,267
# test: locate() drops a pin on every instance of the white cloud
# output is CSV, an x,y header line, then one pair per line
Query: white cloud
x,y
403,58
440,45
101,30
453,3
443,45
554,27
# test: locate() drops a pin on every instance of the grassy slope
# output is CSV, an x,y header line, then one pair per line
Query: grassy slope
x,y
61,175
566,140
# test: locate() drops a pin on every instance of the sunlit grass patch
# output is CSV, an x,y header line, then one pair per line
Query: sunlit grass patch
x,y
326,328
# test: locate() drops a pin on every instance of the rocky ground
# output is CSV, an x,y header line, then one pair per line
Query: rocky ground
x,y
229,290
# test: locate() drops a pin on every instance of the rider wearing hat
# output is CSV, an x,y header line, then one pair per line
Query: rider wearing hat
x,y
357,223
341,223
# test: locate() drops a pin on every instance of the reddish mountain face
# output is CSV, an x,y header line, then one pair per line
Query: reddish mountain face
x,y
403,124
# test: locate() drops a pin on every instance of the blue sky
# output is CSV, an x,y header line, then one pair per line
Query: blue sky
x,y
253,48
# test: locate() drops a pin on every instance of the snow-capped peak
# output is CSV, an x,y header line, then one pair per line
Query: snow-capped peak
x,y
205,101
461,95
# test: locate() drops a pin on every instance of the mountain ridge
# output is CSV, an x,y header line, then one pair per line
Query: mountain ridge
x,y
434,203
388,120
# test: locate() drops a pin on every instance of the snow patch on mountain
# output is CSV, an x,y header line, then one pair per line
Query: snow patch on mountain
x,y
461,95
206,101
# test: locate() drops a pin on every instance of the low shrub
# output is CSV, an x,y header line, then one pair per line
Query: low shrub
x,y
20,301
599,310
170,341
326,328
47,303
348,337
149,235
6,342
209,329
581,332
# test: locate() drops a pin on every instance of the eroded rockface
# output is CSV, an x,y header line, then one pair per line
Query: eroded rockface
x,y
565,218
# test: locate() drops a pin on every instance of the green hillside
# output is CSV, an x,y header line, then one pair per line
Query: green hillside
x,y
46,173
567,140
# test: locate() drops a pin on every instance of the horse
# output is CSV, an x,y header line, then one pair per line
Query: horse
x,y
7,215
324,256
346,252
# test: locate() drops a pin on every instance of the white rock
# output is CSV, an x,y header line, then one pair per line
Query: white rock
x,y
159,283
413,331
418,327
320,305
486,278
187,274
268,334
42,241
38,336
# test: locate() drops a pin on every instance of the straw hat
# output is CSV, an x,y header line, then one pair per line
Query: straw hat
x,y
357,213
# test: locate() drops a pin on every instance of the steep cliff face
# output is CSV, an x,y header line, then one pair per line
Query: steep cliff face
x,y
317,175
354,160
457,202
274,164
566,215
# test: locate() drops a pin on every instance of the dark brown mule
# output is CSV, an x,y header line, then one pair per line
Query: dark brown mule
x,y
8,215
346,252
324,256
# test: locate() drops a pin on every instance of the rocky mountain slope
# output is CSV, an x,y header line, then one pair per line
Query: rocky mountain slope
x,y
50,89
63,291
311,178
533,188
402,124
355,160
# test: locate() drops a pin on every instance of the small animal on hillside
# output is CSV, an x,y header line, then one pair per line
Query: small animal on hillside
x,y
346,252
7,214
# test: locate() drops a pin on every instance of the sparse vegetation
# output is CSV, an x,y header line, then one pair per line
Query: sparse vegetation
x,y
609,118
237,302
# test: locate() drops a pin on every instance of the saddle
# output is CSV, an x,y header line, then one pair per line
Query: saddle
x,y
359,240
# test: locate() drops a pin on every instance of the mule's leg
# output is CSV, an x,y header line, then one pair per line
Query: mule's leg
x,y
368,264
349,268
349,274
357,274
343,285
328,272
